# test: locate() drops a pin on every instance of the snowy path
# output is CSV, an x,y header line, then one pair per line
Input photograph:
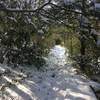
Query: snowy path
x,y
56,83
50,85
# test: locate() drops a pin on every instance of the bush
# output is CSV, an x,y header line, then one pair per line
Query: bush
x,y
91,65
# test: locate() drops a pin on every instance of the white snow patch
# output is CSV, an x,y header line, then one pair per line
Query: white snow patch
x,y
59,83
68,2
97,6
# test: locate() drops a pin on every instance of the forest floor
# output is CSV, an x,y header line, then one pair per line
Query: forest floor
x,y
61,83
55,82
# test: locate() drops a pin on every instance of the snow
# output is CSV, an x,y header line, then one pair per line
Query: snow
x,y
57,56
93,31
97,6
98,42
68,2
60,82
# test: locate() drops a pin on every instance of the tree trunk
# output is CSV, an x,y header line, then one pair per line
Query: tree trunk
x,y
82,51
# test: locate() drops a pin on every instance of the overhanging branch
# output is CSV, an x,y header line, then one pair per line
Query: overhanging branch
x,y
25,10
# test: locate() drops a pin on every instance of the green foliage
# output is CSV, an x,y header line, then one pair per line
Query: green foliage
x,y
16,34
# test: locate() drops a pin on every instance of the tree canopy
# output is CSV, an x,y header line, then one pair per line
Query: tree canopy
x,y
20,19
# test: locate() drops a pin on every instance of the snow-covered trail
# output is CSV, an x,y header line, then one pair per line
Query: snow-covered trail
x,y
58,82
